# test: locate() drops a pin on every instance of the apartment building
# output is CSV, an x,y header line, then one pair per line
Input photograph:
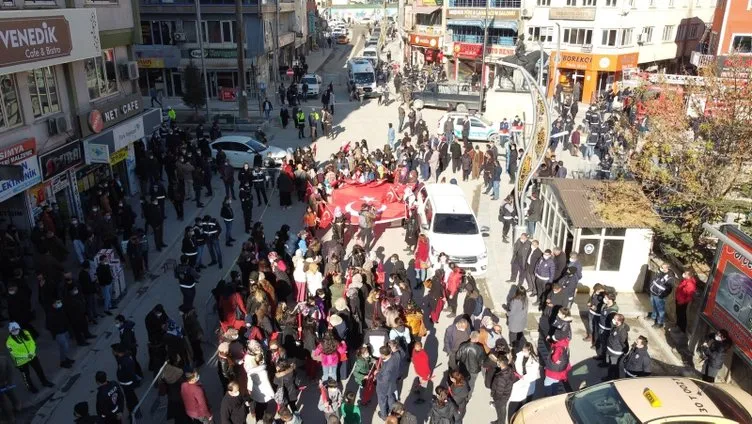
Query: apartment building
x,y
599,39
69,111
170,42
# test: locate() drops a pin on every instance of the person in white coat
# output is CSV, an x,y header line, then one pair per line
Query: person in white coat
x,y
259,387
526,365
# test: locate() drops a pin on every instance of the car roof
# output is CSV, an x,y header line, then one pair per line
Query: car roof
x,y
448,198
233,138
310,76
677,396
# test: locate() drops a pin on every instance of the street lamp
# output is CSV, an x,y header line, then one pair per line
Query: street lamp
x,y
483,58
535,150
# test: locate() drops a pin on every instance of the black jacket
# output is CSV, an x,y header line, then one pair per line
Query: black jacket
x,y
461,396
444,414
154,215
536,256
286,381
470,357
501,385
104,274
110,400
520,252
618,340
232,410
227,212
560,265
57,321
637,362
714,352
128,337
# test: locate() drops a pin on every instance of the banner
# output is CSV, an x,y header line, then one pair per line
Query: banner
x,y
729,300
350,196
24,155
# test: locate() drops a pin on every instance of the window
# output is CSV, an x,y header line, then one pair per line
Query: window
x,y
631,3
219,31
571,2
680,33
742,43
545,3
591,3
616,37
647,35
585,405
542,34
10,108
190,31
668,33
611,255
670,3
100,75
601,249
611,3
228,35
693,32
43,92
158,32
578,36
651,3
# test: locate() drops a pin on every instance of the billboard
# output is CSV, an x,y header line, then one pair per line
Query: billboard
x,y
728,302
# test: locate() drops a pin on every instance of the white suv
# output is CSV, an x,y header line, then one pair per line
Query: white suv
x,y
450,225
314,85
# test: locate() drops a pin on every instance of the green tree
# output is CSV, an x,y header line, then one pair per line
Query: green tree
x,y
194,93
693,161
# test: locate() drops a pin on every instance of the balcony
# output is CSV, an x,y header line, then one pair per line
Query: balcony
x,y
192,2
495,4
478,39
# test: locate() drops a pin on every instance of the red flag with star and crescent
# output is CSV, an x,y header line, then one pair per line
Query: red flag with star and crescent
x,y
349,196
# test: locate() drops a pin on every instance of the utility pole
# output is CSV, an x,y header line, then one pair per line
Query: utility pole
x,y
558,55
240,40
483,58
203,60
276,43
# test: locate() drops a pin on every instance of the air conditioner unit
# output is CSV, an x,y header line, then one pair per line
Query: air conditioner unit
x,y
56,126
526,14
129,70
179,36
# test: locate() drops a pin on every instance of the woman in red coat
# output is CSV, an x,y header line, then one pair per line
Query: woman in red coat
x,y
685,292
453,287
557,367
421,261
422,369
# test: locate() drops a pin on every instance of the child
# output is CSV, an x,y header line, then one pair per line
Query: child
x,y
422,369
328,353
363,366
350,411
310,220
330,401
414,320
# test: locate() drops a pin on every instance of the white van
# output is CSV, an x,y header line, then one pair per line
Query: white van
x,y
371,54
450,225
360,72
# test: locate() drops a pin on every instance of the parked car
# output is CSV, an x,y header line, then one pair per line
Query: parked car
x,y
481,129
314,85
342,39
450,96
243,149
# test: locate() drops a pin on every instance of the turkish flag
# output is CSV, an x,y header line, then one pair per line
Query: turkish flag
x,y
386,197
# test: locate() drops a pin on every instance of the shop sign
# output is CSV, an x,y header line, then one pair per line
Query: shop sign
x,y
61,159
97,153
111,113
127,133
430,3
423,40
212,53
37,198
429,29
151,63
574,61
24,155
60,182
37,38
572,13
479,12
475,51
734,67
119,156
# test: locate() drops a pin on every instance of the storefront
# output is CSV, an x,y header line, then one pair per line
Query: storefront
x,y
13,202
594,73
222,71
424,49
610,251
108,151
59,186
159,68
466,59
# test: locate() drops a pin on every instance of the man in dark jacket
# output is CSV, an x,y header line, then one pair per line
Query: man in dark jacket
x,y
520,253
155,219
501,389
110,400
127,334
534,213
228,215
544,274
75,311
637,362
455,149
246,204
470,357
228,177
454,336
193,332
616,346
386,381
232,410
713,352
187,278
127,375
660,288
58,325
104,277
560,263
531,261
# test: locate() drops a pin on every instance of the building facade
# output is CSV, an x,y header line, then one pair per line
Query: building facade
x,y
68,77
169,33
731,32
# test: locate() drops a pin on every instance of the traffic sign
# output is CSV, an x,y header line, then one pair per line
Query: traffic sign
x,y
290,72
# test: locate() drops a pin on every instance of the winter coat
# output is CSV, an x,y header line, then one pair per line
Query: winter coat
x,y
194,399
453,338
545,269
530,373
444,414
637,362
470,357
285,380
232,410
350,413
685,291
562,328
416,324
361,369
557,365
192,326
460,395
618,340
259,387
421,364
517,315
332,359
386,379
502,385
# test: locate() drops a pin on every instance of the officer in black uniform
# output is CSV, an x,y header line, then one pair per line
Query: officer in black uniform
x,y
212,230
198,178
200,238
189,247
246,203
110,400
155,219
187,279
259,177
158,192
127,375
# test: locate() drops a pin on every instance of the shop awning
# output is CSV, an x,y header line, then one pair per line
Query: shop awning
x,y
512,25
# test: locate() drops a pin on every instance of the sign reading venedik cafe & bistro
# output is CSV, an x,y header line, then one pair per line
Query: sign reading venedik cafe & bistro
x,y
32,39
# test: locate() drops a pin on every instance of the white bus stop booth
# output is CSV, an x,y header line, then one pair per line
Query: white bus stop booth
x,y
613,250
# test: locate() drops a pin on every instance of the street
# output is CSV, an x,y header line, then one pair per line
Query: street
x,y
352,122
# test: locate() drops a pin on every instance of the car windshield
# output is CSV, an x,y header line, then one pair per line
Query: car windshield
x,y
309,81
485,120
363,77
729,407
369,53
455,223
599,404
255,145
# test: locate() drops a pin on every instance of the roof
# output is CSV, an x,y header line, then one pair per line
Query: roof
x,y
234,138
676,397
448,198
579,198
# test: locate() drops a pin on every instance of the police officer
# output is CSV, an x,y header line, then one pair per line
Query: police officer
x,y
158,192
127,375
189,247
187,279
637,362
200,238
259,177
212,230
300,123
110,400
176,193
660,288
198,180
155,219
507,215
246,203
616,345
605,323
228,215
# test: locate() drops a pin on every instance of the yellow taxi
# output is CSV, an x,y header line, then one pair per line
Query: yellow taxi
x,y
342,39
643,400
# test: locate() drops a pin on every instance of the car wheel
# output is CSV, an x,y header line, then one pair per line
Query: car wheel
x,y
493,138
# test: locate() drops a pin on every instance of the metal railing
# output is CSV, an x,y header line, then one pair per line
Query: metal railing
x,y
496,4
